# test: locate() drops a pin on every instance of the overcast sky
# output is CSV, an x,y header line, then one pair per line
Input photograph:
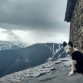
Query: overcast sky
x,y
33,21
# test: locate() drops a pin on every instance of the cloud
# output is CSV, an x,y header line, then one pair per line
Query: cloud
x,y
6,35
39,37
32,14
3,34
31,37
33,20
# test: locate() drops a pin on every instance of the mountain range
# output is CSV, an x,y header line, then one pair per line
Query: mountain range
x,y
16,59
11,45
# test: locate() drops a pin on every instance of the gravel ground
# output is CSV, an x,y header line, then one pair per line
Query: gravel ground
x,y
57,76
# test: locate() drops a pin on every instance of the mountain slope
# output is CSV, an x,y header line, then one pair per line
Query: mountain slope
x,y
59,74
46,68
19,59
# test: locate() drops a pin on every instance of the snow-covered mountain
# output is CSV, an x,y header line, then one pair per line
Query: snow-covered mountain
x,y
14,60
11,45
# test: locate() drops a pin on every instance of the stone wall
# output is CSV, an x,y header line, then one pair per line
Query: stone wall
x,y
76,26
